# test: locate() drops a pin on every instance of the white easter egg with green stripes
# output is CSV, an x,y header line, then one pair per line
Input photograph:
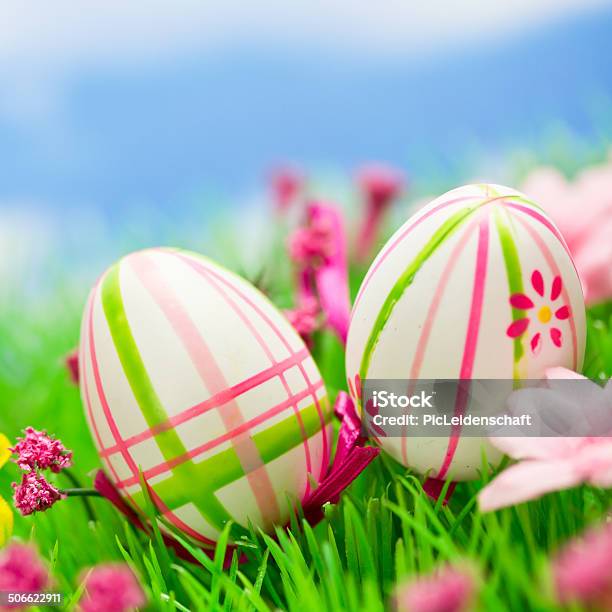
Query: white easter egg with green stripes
x,y
479,284
191,378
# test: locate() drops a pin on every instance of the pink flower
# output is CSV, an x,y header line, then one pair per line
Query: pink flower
x,y
318,250
304,318
37,450
286,184
551,464
380,185
447,590
312,245
72,365
35,494
581,570
113,587
583,211
22,570
545,309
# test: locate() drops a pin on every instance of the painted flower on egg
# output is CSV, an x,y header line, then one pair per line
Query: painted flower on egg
x,y
544,309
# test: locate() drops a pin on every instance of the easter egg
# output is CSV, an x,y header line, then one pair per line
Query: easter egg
x,y
192,378
479,284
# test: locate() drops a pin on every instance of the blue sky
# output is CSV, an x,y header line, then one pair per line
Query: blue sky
x,y
151,105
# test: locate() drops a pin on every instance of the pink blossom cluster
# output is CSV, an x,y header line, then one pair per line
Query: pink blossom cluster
x,y
21,570
38,451
449,589
312,244
318,247
112,586
318,251
581,570
580,573
35,494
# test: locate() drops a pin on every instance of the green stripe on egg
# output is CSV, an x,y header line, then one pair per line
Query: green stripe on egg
x,y
405,280
224,467
515,277
169,442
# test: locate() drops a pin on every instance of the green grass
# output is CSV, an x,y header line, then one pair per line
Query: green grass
x,y
384,530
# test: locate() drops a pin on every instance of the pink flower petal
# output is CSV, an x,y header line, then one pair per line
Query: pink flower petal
x,y
535,447
538,282
563,313
517,328
536,343
521,301
525,481
594,460
555,336
332,278
112,586
557,285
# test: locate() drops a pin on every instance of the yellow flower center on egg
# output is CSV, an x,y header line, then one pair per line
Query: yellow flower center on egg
x,y
544,314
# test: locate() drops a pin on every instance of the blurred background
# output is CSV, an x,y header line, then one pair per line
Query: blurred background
x,y
129,124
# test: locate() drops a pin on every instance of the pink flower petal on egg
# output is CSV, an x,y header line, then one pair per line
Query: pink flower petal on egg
x,y
555,336
538,282
517,328
521,301
563,313
555,290
536,343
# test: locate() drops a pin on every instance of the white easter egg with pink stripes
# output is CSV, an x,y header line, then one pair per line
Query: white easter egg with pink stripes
x,y
190,376
479,284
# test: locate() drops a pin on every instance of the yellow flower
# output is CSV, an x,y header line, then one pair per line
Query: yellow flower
x,y
6,516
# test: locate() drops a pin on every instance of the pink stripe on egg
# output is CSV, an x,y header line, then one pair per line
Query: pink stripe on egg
x,y
471,342
201,266
102,396
384,254
120,443
167,466
104,403
432,313
211,375
281,373
535,214
175,520
213,402
92,420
